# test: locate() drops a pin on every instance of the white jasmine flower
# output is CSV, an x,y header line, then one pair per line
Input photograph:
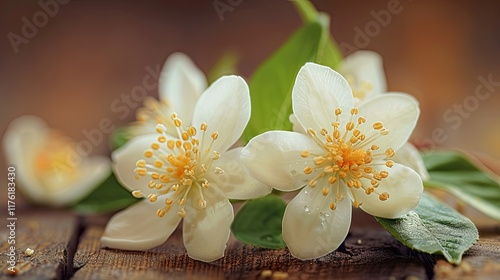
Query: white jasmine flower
x,y
344,159
180,86
365,73
49,169
190,176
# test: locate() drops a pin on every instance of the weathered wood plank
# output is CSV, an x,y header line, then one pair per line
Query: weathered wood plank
x,y
371,253
52,235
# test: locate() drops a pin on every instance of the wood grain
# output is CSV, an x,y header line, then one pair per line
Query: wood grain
x,y
370,253
52,236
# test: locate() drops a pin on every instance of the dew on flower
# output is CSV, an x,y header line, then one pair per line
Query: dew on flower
x,y
179,166
349,156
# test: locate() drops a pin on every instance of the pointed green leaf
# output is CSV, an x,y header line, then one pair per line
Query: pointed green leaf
x,y
258,222
272,82
434,228
108,197
455,173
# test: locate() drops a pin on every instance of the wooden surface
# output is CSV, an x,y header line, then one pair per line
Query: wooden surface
x,y
67,247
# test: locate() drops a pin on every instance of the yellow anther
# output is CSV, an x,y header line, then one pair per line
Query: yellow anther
x,y
338,111
308,170
349,126
333,206
325,191
182,213
336,134
158,164
215,135
356,132
356,204
216,155
155,146
390,152
378,125
160,128
141,172
384,131
335,124
361,120
218,170
313,183
332,179
205,185
342,174
383,196
311,132
369,190
202,203
319,160
304,154
182,201
152,197
328,169
148,153
187,146
203,127
191,131
171,144
374,147
155,176
137,194
173,115
384,174
185,136
178,143
177,122
164,178
323,132
161,212
162,139
354,111
158,186
389,163
175,187
169,201
141,163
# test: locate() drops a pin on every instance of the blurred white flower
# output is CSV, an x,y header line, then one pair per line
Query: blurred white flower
x,y
49,170
365,74
180,86
189,176
345,158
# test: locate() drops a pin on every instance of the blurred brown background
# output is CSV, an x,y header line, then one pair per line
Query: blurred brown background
x,y
90,54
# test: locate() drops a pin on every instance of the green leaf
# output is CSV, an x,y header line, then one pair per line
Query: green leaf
x,y
306,10
453,172
434,228
119,137
226,65
258,222
272,82
108,197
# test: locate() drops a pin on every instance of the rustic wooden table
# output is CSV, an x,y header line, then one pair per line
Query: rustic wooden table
x,y
66,246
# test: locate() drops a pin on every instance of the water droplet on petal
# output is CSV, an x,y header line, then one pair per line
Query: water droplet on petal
x,y
306,209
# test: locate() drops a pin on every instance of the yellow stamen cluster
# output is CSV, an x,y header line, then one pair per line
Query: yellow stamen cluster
x,y
179,166
349,156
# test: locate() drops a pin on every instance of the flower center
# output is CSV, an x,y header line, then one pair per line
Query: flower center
x,y
359,88
180,166
53,164
349,156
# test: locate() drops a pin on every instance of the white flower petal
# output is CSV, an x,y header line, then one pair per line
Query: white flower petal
x,y
139,228
181,84
365,67
274,159
398,112
24,137
409,156
310,228
404,187
92,172
125,159
225,107
206,231
297,127
235,182
317,92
